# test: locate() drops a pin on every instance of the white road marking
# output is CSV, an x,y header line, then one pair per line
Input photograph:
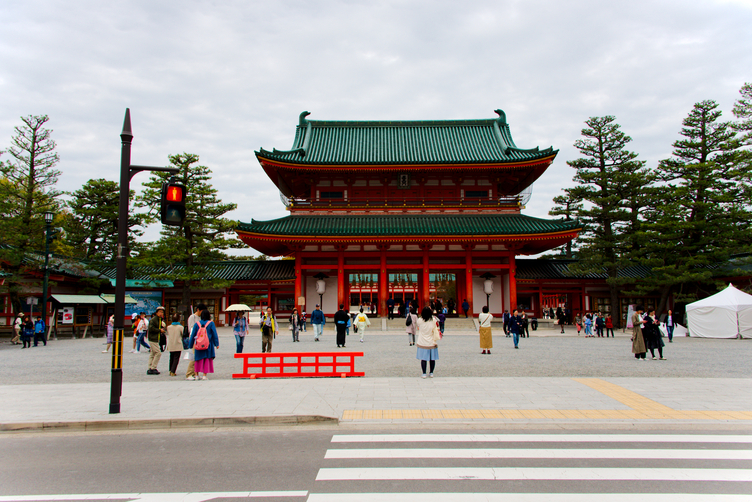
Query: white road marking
x,y
532,438
527,497
532,473
153,497
667,454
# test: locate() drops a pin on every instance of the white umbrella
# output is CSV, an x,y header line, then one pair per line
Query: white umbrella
x,y
238,307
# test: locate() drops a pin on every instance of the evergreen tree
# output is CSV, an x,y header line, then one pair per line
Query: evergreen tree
x,y
699,216
743,112
27,191
610,183
92,229
185,252
569,208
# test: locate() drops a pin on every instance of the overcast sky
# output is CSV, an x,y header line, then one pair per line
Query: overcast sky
x,y
222,79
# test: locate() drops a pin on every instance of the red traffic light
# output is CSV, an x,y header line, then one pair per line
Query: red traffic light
x,y
175,193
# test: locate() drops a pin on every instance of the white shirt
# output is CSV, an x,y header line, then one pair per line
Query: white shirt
x,y
485,320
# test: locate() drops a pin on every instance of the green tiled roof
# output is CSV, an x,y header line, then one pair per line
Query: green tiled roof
x,y
235,270
404,225
483,141
562,269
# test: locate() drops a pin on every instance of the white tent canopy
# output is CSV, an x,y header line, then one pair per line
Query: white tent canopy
x,y
726,314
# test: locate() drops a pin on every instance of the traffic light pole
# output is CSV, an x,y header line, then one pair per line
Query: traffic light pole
x,y
127,171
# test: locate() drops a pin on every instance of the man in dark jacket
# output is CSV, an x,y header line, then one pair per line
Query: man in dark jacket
x,y
340,322
465,307
157,327
515,326
506,322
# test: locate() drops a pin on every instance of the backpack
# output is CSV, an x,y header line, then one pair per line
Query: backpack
x,y
202,339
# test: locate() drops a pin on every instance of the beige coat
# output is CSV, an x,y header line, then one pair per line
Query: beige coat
x,y
424,335
638,341
174,338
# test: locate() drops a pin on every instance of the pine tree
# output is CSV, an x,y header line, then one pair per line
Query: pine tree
x,y
610,182
92,229
743,112
569,208
186,251
27,191
699,216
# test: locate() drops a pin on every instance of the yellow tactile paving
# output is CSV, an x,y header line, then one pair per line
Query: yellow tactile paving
x,y
640,408
624,396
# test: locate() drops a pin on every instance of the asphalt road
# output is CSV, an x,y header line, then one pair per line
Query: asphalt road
x,y
388,355
337,464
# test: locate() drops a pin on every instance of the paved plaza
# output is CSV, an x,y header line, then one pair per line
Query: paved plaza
x,y
551,379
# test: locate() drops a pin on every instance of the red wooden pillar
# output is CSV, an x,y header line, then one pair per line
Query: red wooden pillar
x,y
468,279
298,279
383,280
426,279
512,282
341,276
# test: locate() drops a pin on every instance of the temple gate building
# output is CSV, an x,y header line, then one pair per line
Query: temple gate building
x,y
406,209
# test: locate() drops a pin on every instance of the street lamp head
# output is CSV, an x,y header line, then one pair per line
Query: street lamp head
x,y
48,216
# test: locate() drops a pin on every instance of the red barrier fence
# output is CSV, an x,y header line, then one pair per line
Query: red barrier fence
x,y
292,364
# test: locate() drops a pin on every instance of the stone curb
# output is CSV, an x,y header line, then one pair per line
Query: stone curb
x,y
166,423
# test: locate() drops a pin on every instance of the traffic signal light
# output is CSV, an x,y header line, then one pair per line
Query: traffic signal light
x,y
173,203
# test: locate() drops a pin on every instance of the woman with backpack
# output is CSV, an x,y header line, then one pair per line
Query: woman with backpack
x,y
411,323
361,322
204,340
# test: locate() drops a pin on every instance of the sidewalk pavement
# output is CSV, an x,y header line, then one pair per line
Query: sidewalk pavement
x,y
453,401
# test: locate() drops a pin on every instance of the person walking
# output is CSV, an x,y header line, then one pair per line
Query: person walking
x,y
411,326
190,373
317,321
652,334
638,340
142,328
588,326
524,331
465,307
599,325
442,320
109,331
560,318
428,338
341,318
578,323
609,324
268,326
484,330
239,329
175,343
17,328
670,324
361,323
157,327
295,325
27,332
515,324
205,357
303,321
39,332
390,308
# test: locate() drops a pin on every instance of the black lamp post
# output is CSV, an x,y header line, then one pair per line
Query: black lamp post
x,y
48,217
127,171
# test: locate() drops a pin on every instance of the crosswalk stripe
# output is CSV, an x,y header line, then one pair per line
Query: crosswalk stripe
x,y
480,453
527,497
153,497
532,473
548,438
